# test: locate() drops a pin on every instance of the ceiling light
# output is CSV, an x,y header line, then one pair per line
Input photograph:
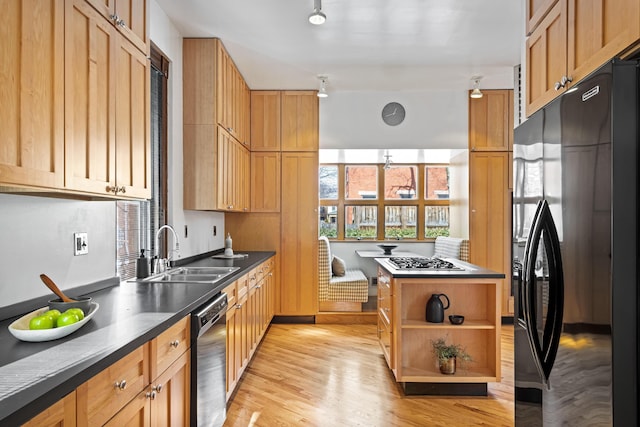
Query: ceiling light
x,y
322,92
317,17
475,93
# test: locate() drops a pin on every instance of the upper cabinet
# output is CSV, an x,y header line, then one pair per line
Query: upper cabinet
x,y
130,17
573,39
233,97
265,120
76,106
107,108
491,121
299,118
32,88
216,129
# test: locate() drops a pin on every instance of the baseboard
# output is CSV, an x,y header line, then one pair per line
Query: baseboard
x,y
340,306
345,318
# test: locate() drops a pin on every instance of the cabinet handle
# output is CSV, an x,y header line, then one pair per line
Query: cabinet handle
x,y
387,309
123,189
157,388
121,384
230,130
112,189
121,23
150,395
239,306
270,274
175,344
230,207
114,17
258,286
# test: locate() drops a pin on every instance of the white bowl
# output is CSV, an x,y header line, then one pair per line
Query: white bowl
x,y
20,328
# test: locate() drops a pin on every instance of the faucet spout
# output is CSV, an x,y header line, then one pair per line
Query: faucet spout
x,y
176,247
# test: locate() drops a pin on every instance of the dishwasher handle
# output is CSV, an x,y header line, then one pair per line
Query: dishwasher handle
x,y
206,316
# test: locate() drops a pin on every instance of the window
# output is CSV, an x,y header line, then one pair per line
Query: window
x,y
404,201
137,221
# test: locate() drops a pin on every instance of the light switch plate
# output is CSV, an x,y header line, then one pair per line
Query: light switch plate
x,y
80,244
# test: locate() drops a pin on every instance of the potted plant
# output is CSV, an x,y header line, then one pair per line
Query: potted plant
x,y
448,354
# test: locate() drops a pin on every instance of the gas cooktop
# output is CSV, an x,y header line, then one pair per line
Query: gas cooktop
x,y
422,263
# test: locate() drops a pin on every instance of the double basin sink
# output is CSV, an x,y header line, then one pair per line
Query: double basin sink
x,y
209,275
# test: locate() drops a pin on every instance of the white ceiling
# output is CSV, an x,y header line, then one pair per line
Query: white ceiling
x,y
365,45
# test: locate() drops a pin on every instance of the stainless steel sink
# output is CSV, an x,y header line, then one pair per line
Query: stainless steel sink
x,y
191,275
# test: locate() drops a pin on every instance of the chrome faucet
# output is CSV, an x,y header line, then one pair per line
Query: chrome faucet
x,y
159,265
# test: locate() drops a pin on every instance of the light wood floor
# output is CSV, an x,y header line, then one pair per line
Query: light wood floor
x,y
335,375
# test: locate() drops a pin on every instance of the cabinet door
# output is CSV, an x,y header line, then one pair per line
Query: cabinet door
x,y
299,121
265,120
60,414
299,248
491,121
167,347
252,320
598,31
137,413
232,369
133,115
131,17
490,223
224,86
536,10
170,394
241,336
265,181
90,91
546,58
243,178
32,88
98,399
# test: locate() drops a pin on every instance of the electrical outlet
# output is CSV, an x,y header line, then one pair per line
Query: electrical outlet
x,y
215,231
186,232
80,244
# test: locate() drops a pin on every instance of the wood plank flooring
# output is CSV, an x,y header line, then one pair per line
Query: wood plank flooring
x,y
335,375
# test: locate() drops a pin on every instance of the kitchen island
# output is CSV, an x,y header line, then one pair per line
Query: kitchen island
x,y
405,336
36,375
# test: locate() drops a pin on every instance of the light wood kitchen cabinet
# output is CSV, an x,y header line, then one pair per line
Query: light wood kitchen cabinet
x,y
385,317
107,108
265,120
299,121
491,121
146,387
536,10
233,163
130,17
265,181
490,218
216,129
574,39
32,88
60,414
299,234
409,339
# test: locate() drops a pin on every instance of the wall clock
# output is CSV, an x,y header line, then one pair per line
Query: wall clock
x,y
393,113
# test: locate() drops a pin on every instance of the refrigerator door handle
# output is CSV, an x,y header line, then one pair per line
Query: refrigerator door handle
x,y
544,352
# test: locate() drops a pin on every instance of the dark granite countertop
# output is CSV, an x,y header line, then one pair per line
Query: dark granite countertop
x,y
466,271
33,376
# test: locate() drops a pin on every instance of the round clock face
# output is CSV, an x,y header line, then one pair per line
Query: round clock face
x,y
393,113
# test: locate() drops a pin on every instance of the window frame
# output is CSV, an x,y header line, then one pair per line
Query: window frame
x,y
381,203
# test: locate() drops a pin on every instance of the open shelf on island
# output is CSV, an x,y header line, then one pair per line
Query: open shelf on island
x,y
468,324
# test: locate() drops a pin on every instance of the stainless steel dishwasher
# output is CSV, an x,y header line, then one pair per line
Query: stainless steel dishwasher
x,y
208,363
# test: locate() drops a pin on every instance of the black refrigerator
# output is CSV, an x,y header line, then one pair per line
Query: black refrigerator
x,y
575,255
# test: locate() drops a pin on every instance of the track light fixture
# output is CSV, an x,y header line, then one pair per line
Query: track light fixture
x,y
475,93
322,92
317,17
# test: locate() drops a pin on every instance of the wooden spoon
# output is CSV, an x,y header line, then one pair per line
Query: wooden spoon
x,y
51,285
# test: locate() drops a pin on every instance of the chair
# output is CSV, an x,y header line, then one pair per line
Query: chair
x,y
452,247
339,293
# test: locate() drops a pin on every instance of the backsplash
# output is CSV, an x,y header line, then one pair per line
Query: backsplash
x,y
36,236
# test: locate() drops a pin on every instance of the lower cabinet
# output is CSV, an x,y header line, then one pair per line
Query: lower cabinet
x,y
150,386
61,414
250,312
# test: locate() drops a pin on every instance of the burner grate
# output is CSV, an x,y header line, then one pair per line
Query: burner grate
x,y
422,263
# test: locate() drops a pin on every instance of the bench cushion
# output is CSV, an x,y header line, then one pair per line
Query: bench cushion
x,y
352,287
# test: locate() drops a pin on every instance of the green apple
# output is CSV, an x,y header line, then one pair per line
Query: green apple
x,y
41,322
54,315
77,311
66,319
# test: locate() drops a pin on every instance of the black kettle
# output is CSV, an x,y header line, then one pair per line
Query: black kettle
x,y
435,309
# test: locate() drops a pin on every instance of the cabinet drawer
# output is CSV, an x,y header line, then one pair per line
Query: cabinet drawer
x,y
169,345
105,394
384,337
242,285
253,277
232,294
